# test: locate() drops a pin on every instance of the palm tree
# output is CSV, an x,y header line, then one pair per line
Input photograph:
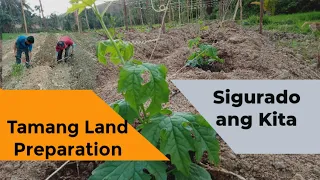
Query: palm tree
x,y
43,18
38,8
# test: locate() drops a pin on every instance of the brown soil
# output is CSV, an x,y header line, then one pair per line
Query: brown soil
x,y
247,54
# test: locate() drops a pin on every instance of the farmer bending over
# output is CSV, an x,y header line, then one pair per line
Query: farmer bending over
x,y
64,43
23,44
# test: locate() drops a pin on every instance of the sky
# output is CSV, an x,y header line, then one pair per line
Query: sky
x,y
54,6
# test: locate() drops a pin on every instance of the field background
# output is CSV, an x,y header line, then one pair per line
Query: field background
x,y
285,50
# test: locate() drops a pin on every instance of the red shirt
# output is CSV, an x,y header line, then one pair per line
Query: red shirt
x,y
67,42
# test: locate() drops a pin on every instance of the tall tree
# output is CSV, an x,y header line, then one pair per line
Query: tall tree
x,y
24,16
43,18
86,14
38,8
140,11
76,16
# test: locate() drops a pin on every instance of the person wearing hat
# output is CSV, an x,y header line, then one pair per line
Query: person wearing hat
x,y
64,43
23,44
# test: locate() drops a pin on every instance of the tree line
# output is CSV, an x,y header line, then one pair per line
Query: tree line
x,y
18,16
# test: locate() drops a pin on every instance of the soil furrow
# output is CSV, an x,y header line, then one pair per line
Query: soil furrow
x,y
9,81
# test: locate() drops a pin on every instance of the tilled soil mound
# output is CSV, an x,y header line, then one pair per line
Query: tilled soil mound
x,y
247,55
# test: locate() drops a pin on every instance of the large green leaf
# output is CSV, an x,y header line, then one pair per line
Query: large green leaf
x,y
79,5
107,48
152,130
174,136
173,133
127,50
129,170
196,173
210,52
194,42
157,88
101,51
130,83
75,7
125,111
176,140
157,169
112,51
137,92
205,139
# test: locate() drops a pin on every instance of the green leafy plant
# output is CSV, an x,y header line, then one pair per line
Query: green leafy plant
x,y
17,70
204,55
145,91
202,27
194,42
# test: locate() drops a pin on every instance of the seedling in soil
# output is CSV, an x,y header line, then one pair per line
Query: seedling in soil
x,y
204,57
175,134
17,70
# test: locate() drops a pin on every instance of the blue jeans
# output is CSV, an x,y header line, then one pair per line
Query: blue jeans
x,y
66,53
19,53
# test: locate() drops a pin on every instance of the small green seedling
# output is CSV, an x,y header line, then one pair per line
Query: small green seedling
x,y
205,54
17,70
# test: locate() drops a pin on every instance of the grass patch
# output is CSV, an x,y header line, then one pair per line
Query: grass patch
x,y
287,22
10,36
17,70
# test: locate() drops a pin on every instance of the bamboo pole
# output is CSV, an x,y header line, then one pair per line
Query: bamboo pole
x,y
236,10
241,10
261,15
125,14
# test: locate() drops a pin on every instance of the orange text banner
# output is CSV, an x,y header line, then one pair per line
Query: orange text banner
x,y
67,125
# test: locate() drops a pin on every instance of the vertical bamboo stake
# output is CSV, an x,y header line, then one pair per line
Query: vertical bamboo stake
x,y
261,15
179,12
130,18
24,16
241,11
163,23
188,13
191,4
169,13
172,10
236,10
125,14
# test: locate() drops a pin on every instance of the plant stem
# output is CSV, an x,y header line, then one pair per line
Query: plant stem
x,y
108,33
172,170
144,112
